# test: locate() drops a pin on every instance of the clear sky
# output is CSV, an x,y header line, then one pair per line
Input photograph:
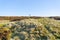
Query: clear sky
x,y
26,7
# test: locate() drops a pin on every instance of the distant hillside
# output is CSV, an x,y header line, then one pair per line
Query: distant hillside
x,y
14,18
57,17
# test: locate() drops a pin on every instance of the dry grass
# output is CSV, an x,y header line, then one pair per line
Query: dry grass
x,y
4,21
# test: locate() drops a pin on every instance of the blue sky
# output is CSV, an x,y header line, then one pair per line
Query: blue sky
x,y
26,7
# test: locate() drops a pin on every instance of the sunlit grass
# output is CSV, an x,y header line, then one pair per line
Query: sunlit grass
x,y
34,29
